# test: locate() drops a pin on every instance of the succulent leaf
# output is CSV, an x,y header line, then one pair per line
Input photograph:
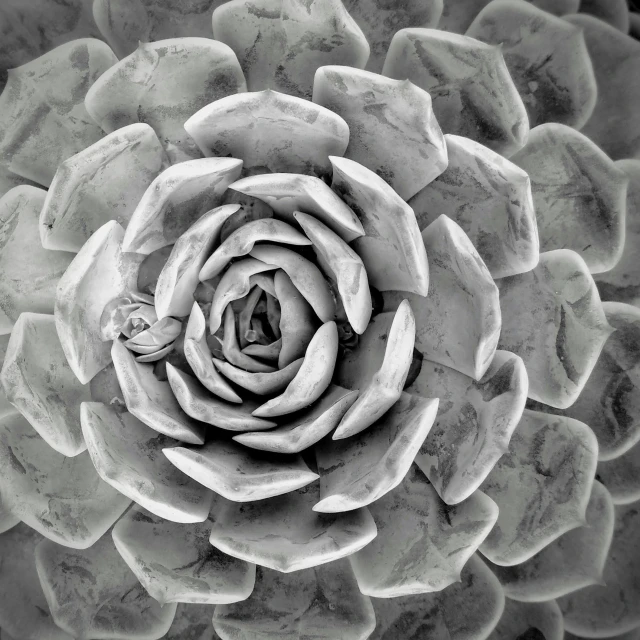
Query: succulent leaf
x,y
543,619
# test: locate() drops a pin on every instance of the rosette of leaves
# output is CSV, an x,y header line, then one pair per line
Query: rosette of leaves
x,y
303,321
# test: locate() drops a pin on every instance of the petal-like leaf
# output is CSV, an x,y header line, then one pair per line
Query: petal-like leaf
x,y
392,128
323,603
192,622
541,485
175,562
356,471
391,249
422,543
579,195
38,381
94,594
536,620
261,384
474,424
43,116
8,180
62,498
163,83
621,476
283,533
472,91
271,132
553,319
490,198
613,12
128,455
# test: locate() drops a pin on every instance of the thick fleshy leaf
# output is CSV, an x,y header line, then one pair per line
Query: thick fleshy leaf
x,y
469,82
103,182
8,180
578,193
179,276
5,405
422,543
305,428
28,273
622,283
474,424
614,12
392,128
7,519
323,603
175,562
23,609
164,83
490,198
631,635
151,400
284,534
542,485
176,199
193,622
615,123
621,476
62,498
238,473
458,322
38,381
466,610
391,249
128,455
261,384
540,620
610,609
380,19
43,117
547,59
271,132
553,319
99,273
94,594
354,472
574,561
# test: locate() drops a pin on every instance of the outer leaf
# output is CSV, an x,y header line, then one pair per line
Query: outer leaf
x,y
192,622
621,476
543,619
541,485
614,12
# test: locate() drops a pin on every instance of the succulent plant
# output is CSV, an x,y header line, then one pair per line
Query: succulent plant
x,y
319,320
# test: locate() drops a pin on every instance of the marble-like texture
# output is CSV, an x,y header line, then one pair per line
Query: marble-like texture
x,y
39,383
151,400
41,128
541,484
285,534
94,594
458,322
392,128
5,405
621,476
193,622
8,520
271,132
615,123
490,198
547,59
179,277
100,272
62,498
323,603
622,283
24,612
579,195
466,610
287,193
612,608
163,83
8,180
103,182
356,471
379,390
474,425
391,249
422,543
29,273
175,562
540,620
305,428
472,91
553,319
176,199
238,473
128,455
573,561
